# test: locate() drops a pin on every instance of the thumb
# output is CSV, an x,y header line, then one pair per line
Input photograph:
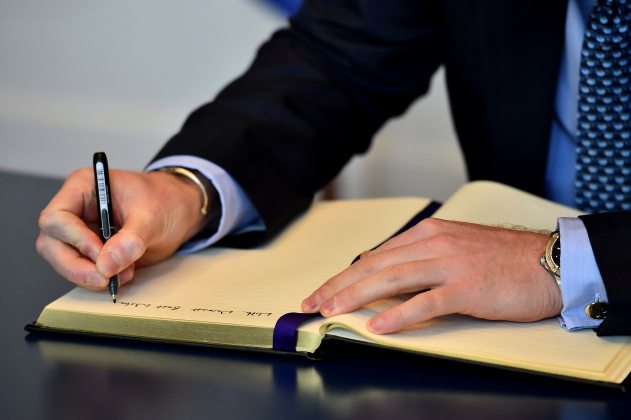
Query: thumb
x,y
125,247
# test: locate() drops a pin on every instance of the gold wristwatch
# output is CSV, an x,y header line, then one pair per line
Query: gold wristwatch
x,y
551,258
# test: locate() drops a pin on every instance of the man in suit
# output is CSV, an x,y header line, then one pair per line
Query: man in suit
x,y
315,96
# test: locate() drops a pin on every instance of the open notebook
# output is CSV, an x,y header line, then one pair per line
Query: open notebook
x,y
231,297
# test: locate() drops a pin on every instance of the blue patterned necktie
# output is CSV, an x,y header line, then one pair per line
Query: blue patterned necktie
x,y
603,153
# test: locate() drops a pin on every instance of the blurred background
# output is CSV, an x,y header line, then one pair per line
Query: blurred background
x,y
80,76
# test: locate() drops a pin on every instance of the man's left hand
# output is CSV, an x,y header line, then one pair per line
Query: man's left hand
x,y
482,271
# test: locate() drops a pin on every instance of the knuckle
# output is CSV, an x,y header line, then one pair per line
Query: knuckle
x,y
45,220
427,305
368,263
394,285
81,181
75,274
350,294
431,301
79,278
80,173
138,243
394,273
443,241
40,244
84,248
429,224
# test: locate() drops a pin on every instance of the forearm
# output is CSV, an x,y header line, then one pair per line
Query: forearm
x,y
313,97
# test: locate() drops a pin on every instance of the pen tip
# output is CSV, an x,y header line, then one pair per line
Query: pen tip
x,y
114,298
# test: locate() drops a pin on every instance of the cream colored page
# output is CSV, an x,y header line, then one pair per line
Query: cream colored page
x,y
254,287
542,346
491,203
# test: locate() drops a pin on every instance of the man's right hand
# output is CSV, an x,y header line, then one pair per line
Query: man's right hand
x,y
155,213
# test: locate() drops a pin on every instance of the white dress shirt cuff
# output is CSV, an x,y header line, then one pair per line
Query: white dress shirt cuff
x,y
581,282
238,214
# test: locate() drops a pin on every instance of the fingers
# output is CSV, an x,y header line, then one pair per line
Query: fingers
x,y
365,267
127,246
482,271
69,263
413,261
423,230
151,213
127,275
420,308
70,229
65,217
391,281
66,237
441,299
374,262
65,240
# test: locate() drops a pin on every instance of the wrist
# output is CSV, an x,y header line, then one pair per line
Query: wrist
x,y
198,198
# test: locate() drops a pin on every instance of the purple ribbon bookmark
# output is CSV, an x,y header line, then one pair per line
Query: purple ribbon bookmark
x,y
286,330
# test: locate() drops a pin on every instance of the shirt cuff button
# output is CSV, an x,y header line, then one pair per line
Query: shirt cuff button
x,y
597,310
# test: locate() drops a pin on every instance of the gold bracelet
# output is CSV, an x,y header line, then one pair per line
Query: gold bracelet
x,y
193,176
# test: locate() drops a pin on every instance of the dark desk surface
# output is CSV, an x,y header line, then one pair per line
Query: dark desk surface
x,y
44,377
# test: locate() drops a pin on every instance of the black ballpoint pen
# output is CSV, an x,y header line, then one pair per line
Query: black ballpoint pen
x,y
104,205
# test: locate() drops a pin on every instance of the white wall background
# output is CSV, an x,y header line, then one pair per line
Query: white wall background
x,y
120,76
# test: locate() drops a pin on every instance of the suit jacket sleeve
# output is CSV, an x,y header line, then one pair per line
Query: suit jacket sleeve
x,y
314,96
610,237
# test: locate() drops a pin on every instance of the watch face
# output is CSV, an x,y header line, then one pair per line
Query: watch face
x,y
556,252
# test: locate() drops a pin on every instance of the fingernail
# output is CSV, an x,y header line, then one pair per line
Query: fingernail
x,y
328,307
96,280
309,304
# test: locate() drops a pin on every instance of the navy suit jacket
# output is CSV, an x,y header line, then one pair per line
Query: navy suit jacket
x,y
319,90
